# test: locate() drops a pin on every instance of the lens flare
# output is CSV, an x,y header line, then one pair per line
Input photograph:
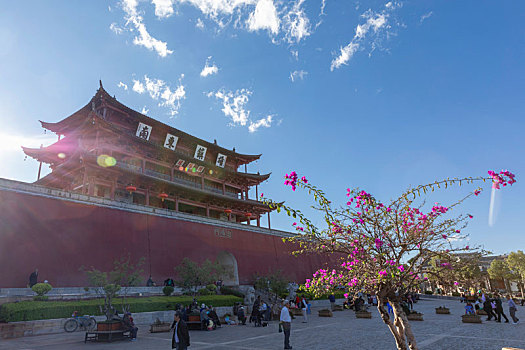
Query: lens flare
x,y
61,155
106,161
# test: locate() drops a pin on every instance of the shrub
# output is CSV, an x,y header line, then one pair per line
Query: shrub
x,y
41,289
38,310
429,292
231,291
167,290
205,291
211,287
455,294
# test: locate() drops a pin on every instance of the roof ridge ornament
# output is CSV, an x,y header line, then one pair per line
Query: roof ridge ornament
x,y
100,82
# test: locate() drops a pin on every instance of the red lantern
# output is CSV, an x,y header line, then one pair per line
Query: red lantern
x,y
248,215
163,196
131,189
228,211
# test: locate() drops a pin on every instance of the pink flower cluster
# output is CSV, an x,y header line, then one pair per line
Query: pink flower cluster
x,y
503,178
291,180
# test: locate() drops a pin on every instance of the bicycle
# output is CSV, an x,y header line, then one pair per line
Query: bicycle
x,y
86,322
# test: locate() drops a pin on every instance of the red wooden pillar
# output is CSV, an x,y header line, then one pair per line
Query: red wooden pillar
x,y
143,165
269,227
207,210
223,188
258,221
256,193
147,196
113,186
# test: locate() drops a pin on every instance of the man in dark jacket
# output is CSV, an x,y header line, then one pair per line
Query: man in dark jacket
x,y
488,309
499,309
33,278
181,336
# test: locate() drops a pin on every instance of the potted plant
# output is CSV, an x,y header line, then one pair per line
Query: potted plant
x,y
325,313
158,326
363,314
415,316
471,318
442,310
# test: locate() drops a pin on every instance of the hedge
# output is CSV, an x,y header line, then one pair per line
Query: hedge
x,y
41,310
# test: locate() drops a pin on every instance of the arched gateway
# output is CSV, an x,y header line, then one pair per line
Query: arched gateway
x,y
228,261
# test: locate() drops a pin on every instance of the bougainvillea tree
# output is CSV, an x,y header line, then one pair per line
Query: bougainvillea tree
x,y
382,248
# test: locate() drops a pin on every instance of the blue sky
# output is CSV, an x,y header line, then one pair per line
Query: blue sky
x,y
372,94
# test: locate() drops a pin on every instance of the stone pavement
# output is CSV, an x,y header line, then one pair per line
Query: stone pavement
x,y
343,331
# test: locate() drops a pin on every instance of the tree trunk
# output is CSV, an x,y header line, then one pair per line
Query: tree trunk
x,y
399,337
403,326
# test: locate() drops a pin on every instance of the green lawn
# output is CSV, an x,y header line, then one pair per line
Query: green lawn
x,y
41,310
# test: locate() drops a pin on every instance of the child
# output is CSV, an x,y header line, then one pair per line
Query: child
x,y
469,309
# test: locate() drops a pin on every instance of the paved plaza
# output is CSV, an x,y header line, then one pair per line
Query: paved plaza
x,y
343,331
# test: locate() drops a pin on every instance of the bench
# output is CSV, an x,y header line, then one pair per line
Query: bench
x,y
194,322
108,336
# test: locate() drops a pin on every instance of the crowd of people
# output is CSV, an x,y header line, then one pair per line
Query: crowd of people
x,y
492,305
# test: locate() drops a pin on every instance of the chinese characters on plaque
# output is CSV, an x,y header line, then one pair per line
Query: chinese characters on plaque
x,y
143,131
180,162
171,141
221,160
200,152
200,169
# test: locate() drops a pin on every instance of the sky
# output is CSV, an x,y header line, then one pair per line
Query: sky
x,y
380,95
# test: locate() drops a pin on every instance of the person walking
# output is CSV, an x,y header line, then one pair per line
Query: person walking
x,y
33,278
499,309
488,309
304,306
512,309
286,321
181,336
331,297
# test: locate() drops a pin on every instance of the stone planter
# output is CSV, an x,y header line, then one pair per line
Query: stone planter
x,y
109,326
297,312
337,308
416,316
363,314
442,310
471,319
160,327
325,313
481,312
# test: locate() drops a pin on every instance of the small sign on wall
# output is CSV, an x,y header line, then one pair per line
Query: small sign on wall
x,y
200,152
143,131
221,160
171,141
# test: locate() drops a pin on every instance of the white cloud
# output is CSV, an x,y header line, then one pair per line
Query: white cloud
x,y
138,87
160,91
296,24
234,104
295,54
346,53
264,122
135,22
116,29
284,20
199,24
122,85
298,74
209,70
163,8
425,16
264,17
144,110
375,25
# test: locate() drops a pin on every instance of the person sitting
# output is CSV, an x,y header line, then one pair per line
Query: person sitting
x,y
469,309
169,282
241,316
128,323
205,319
150,282
214,317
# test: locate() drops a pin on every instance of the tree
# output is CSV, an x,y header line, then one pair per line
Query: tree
x,y
191,276
381,249
499,269
108,284
273,283
516,263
